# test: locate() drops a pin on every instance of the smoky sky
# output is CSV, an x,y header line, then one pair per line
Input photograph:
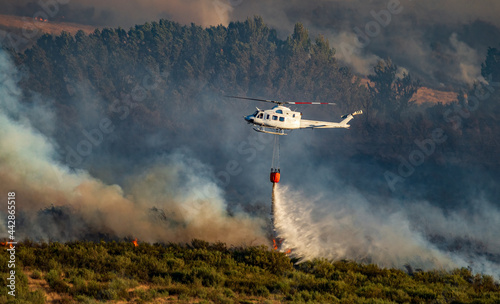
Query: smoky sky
x,y
123,14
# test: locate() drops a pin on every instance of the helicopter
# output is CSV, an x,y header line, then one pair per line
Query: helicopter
x,y
280,118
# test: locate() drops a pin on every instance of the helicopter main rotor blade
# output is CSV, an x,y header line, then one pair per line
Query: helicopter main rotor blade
x,y
309,102
284,102
256,99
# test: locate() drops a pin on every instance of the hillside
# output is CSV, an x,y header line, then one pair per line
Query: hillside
x,y
128,132
427,95
25,27
247,58
200,272
16,24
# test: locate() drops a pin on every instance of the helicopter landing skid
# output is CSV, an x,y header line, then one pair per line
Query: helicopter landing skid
x,y
269,131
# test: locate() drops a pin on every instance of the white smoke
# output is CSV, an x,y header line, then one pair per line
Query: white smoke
x,y
175,199
347,226
358,59
468,59
417,37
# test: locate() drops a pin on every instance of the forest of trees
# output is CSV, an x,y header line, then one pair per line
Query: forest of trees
x,y
179,65
248,58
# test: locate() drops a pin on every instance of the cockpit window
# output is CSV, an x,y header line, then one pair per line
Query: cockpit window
x,y
260,115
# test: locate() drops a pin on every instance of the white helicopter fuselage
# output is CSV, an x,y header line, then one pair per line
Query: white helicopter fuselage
x,y
279,117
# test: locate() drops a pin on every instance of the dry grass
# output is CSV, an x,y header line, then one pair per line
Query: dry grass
x,y
41,284
427,95
15,22
22,32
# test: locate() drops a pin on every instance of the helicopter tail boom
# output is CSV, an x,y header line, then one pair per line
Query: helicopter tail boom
x,y
329,125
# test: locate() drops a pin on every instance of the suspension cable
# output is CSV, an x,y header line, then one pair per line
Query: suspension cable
x,y
278,154
274,153
275,164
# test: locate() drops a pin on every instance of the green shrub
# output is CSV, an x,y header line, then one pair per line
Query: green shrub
x,y
209,276
120,287
26,256
220,275
177,290
174,264
79,286
323,269
200,244
108,294
93,288
228,293
485,283
85,300
273,261
35,297
121,264
371,291
422,293
84,273
53,265
36,275
162,281
261,291
56,283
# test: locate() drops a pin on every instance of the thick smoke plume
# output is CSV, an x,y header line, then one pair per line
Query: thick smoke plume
x,y
347,226
176,199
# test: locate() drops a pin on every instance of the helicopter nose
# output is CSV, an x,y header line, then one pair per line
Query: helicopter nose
x,y
248,118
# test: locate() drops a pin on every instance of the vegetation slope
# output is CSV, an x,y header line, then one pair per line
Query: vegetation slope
x,y
200,272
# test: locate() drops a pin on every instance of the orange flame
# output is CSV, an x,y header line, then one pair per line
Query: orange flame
x,y
6,244
275,245
288,251
135,242
40,19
